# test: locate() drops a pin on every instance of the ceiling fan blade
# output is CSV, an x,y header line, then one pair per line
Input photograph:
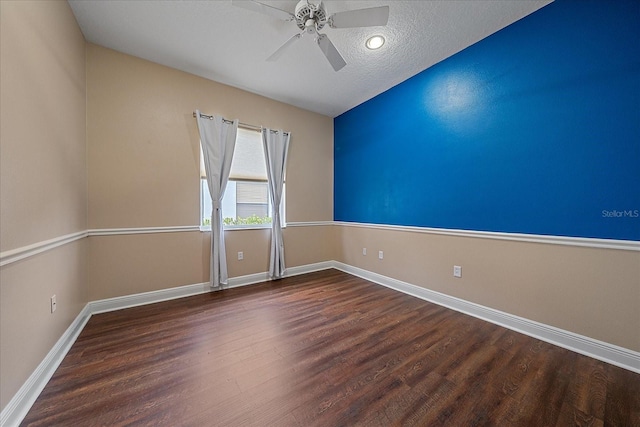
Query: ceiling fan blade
x,y
335,59
360,17
264,9
275,55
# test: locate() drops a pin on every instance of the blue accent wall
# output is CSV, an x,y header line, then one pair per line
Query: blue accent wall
x,y
535,129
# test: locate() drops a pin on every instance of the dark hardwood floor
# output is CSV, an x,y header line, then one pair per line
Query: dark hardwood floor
x,y
323,349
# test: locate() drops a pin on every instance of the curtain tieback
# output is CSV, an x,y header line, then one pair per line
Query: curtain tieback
x,y
216,205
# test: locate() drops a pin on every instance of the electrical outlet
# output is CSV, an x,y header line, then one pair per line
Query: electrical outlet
x,y
457,271
380,254
364,251
240,256
53,303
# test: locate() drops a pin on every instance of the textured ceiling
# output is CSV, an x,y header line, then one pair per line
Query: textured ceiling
x,y
221,42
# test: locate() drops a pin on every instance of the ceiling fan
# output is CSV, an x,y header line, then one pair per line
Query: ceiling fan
x,y
311,16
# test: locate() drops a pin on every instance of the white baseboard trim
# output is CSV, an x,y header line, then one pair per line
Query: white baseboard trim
x,y
609,353
250,279
309,268
134,300
19,405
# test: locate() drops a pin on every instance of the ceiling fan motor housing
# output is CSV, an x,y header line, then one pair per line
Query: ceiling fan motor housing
x,y
304,10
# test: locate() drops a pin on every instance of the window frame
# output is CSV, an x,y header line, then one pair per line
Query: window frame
x,y
202,214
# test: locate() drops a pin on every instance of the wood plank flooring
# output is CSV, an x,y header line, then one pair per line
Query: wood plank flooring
x,y
323,349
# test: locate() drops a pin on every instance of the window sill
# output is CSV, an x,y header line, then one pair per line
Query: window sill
x,y
204,228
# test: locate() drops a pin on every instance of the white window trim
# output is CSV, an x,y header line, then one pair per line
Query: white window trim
x,y
204,228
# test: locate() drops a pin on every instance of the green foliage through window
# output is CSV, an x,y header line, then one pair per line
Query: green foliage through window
x,y
251,220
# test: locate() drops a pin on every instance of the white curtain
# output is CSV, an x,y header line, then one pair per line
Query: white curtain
x,y
218,138
276,146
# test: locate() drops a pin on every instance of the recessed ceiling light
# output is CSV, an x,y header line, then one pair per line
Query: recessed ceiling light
x,y
375,42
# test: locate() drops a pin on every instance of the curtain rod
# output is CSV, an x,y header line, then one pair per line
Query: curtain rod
x,y
240,124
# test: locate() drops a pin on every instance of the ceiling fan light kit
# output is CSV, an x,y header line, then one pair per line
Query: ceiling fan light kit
x,y
311,16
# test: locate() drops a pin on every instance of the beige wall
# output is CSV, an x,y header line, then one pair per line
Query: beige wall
x,y
43,182
129,264
589,291
135,263
28,329
143,149
44,185
143,143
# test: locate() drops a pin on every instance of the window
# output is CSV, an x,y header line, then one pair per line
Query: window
x,y
246,201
